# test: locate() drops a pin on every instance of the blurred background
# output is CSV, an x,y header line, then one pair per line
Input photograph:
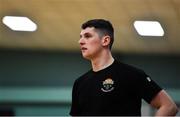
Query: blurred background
x,y
37,69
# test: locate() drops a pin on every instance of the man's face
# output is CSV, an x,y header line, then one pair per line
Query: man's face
x,y
90,43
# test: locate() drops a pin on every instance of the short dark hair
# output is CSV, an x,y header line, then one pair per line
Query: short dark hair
x,y
104,26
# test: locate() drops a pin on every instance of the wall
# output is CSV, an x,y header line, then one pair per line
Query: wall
x,y
27,72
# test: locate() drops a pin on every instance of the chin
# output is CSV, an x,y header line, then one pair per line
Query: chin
x,y
86,57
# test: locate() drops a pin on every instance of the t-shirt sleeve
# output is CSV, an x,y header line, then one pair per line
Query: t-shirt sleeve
x,y
148,88
74,104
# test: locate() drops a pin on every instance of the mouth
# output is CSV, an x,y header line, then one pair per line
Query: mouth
x,y
83,48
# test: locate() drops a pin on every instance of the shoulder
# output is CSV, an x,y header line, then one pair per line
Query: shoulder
x,y
83,76
81,80
129,69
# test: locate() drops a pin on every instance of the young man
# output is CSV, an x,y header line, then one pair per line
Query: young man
x,y
111,87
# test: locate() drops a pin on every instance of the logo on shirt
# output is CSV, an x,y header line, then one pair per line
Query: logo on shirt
x,y
149,79
107,85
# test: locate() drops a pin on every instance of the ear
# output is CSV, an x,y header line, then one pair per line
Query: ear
x,y
105,40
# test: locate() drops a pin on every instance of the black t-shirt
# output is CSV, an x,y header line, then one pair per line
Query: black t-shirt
x,y
115,90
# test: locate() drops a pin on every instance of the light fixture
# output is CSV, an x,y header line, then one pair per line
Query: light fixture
x,y
18,23
149,28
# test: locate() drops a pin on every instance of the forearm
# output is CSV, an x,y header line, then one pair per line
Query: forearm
x,y
167,111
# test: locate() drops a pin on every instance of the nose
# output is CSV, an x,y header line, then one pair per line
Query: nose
x,y
81,41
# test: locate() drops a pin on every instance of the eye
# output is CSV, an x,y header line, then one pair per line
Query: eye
x,y
87,35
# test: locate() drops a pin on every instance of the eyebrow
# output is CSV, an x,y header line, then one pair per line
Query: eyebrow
x,y
87,33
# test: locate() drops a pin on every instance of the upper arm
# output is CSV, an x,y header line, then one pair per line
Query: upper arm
x,y
162,99
74,104
165,105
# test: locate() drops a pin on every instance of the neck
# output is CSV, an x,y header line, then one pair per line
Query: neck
x,y
102,61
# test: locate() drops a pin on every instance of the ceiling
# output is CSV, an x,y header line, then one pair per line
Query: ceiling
x,y
59,24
